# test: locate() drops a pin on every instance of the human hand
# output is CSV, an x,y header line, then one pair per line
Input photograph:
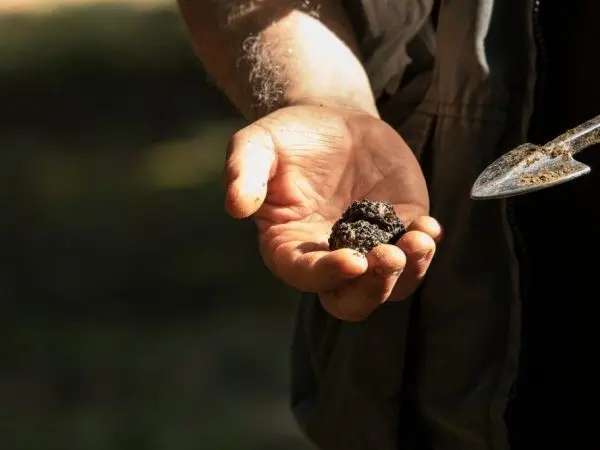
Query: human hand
x,y
297,170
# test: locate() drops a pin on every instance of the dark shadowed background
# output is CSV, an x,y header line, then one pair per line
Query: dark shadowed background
x,y
135,314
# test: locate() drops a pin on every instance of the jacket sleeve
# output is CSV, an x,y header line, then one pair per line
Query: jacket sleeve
x,y
385,29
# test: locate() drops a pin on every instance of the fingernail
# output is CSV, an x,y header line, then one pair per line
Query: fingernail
x,y
378,271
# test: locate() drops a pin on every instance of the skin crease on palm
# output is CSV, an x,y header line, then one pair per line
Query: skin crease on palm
x,y
296,170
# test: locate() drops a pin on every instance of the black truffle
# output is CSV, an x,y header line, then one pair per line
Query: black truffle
x,y
366,224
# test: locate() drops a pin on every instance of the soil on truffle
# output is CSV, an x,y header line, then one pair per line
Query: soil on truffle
x,y
366,224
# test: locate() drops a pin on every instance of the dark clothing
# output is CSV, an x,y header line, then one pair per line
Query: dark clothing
x,y
558,387
496,351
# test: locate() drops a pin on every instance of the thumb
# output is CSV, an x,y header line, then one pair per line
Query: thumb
x,y
250,164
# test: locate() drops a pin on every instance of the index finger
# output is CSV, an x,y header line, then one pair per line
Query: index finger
x,y
309,268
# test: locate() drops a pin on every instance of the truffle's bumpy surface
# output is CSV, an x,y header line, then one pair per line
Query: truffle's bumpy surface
x,y
366,224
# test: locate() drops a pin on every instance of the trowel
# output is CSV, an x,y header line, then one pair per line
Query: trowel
x,y
531,167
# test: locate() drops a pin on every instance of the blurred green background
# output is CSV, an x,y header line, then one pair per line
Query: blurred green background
x,y
135,314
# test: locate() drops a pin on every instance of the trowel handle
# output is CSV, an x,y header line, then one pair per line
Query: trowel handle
x,y
580,137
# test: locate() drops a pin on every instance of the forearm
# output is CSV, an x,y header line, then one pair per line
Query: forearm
x,y
266,54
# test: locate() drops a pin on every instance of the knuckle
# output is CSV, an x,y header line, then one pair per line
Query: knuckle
x,y
422,264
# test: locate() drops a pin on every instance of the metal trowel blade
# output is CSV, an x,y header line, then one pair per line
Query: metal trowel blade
x,y
525,169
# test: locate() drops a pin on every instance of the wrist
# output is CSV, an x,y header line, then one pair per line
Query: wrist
x,y
322,64
301,58
355,104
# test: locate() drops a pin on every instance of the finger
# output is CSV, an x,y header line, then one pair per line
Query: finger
x,y
419,248
428,225
310,269
250,164
356,299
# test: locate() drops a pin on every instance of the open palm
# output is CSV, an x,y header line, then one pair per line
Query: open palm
x,y
297,170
